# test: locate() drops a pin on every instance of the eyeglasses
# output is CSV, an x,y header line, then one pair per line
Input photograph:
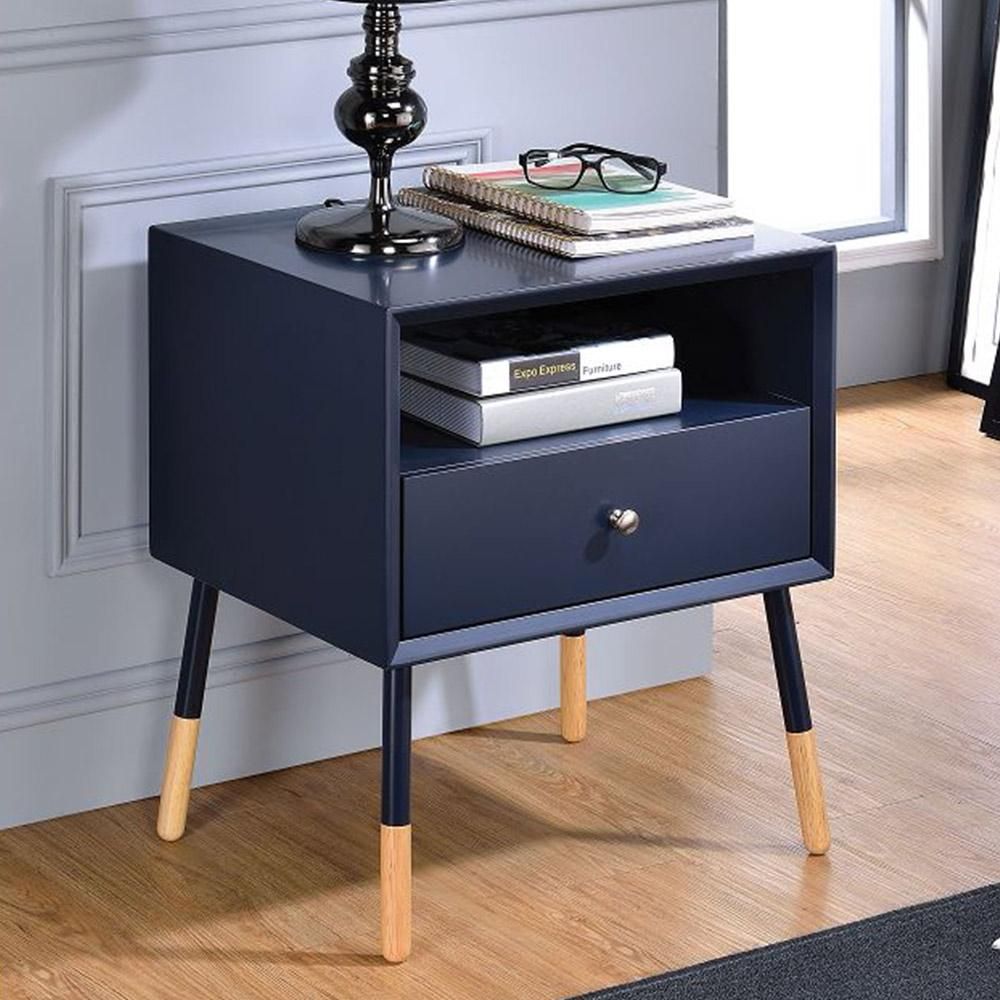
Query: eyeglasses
x,y
563,169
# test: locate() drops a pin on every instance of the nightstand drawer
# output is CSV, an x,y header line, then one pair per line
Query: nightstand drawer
x,y
526,533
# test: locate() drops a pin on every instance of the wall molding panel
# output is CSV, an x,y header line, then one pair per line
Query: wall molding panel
x,y
75,202
106,138
230,27
152,681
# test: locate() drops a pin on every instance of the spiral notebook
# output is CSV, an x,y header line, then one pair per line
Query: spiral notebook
x,y
588,208
563,243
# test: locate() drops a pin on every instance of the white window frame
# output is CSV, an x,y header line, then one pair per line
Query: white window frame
x,y
922,238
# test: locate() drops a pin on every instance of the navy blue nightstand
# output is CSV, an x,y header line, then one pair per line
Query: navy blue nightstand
x,y
282,473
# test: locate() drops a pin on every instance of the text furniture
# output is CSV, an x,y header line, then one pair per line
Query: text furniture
x,y
282,473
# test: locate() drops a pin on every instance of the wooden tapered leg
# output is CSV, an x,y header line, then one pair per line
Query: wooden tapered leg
x,y
396,863
396,892
183,742
798,721
809,791
573,687
177,770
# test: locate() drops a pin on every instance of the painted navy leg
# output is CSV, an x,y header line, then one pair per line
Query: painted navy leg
x,y
176,790
787,661
798,721
396,863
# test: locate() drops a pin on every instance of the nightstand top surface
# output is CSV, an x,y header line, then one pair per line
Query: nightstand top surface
x,y
486,267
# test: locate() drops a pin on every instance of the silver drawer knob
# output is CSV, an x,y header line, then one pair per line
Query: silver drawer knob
x,y
625,522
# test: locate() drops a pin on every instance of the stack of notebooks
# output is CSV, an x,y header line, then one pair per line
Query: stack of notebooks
x,y
587,221
514,377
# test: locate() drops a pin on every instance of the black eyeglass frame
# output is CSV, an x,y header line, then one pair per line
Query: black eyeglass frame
x,y
649,167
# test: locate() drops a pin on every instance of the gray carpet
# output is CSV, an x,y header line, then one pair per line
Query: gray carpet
x,y
935,951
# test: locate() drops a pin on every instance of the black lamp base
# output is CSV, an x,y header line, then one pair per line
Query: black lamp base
x,y
381,113
358,230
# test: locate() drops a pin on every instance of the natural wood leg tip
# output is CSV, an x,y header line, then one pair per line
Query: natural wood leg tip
x,y
573,687
396,893
167,833
178,768
809,791
817,838
819,848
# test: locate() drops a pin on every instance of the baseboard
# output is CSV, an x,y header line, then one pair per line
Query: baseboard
x,y
322,709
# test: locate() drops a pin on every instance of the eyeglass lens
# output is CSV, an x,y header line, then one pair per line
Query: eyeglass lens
x,y
551,170
628,176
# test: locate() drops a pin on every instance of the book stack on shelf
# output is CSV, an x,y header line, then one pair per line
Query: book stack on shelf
x,y
587,221
515,377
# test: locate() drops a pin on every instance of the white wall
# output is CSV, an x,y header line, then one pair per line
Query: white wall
x,y
156,110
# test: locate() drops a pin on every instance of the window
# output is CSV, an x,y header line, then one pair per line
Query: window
x,y
832,121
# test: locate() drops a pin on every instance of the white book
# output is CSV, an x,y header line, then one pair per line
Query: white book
x,y
500,357
518,416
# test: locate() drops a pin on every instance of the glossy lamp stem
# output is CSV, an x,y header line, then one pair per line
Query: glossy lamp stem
x,y
381,113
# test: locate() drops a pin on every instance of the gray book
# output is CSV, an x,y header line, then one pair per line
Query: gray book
x,y
494,420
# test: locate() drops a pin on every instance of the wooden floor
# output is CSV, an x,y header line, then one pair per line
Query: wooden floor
x,y
668,837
